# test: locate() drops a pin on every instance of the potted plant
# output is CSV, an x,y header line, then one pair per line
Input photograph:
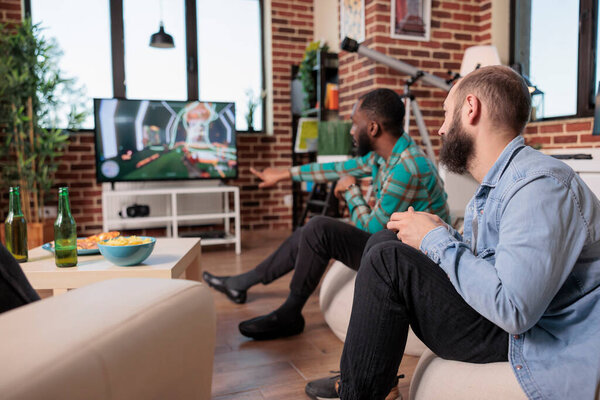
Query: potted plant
x,y
253,102
31,90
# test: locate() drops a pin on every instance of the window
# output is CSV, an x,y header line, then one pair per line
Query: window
x,y
152,73
555,43
228,52
217,55
86,54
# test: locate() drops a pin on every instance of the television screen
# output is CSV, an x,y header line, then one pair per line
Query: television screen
x,y
139,140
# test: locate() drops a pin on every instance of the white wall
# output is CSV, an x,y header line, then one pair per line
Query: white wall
x,y
327,22
501,29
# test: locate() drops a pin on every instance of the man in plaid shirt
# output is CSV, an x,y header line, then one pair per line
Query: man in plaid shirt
x,y
401,176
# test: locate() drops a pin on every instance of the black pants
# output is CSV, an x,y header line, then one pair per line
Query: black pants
x,y
398,286
309,250
15,289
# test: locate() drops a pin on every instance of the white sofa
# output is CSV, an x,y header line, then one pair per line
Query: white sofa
x,y
116,339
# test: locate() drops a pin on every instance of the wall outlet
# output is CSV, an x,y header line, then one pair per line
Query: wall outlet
x,y
287,199
49,211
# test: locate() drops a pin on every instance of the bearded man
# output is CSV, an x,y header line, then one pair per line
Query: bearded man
x,y
402,177
522,284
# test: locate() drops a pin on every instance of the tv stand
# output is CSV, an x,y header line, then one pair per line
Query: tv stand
x,y
172,220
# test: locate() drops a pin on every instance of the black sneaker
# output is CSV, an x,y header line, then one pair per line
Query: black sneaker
x,y
324,388
327,388
272,326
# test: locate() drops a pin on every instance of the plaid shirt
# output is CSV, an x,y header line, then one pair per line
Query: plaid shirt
x,y
407,179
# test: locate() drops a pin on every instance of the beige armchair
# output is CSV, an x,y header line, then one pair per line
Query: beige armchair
x,y
116,339
434,378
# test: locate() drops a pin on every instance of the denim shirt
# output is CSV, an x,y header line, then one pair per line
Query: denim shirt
x,y
532,267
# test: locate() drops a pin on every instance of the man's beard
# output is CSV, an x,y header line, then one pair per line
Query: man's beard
x,y
363,144
457,148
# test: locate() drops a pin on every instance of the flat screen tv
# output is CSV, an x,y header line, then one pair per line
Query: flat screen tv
x,y
150,140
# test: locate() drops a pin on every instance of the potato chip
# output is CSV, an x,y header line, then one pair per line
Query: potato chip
x,y
126,241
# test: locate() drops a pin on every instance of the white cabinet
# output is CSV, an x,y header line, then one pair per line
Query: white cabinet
x,y
171,197
588,170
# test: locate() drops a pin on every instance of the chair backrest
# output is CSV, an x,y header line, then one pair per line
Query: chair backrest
x,y
460,189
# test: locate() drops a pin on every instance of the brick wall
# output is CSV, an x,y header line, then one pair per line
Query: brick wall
x,y
456,25
10,11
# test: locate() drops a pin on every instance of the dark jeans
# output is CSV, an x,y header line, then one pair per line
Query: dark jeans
x,y
309,250
15,289
398,286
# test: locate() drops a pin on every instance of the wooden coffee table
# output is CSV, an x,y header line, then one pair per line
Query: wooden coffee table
x,y
171,258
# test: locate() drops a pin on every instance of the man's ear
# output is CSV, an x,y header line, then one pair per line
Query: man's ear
x,y
473,109
373,129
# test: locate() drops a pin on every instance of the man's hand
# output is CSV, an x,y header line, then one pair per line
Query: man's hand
x,y
270,176
342,185
412,226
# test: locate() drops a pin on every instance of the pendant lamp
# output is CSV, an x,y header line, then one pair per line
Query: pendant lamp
x,y
161,39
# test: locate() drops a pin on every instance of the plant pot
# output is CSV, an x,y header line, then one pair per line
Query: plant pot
x,y
38,233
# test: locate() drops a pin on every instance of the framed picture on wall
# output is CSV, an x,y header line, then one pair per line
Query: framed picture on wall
x,y
352,19
411,19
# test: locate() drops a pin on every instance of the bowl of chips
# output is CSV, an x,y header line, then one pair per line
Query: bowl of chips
x,y
126,251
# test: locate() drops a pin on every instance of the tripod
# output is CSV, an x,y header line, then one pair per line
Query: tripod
x,y
411,102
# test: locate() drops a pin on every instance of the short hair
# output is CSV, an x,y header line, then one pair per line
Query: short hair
x,y
386,108
503,91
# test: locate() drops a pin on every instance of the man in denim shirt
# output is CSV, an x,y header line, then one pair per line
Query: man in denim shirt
x,y
521,285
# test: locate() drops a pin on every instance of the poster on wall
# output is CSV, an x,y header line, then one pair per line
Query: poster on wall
x,y
411,19
352,19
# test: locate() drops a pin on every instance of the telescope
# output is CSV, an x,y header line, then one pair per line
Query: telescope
x,y
416,74
352,46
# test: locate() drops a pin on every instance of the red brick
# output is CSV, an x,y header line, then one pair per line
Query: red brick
x,y
451,25
463,36
441,55
538,140
531,129
579,126
565,139
556,128
450,6
442,35
462,17
590,138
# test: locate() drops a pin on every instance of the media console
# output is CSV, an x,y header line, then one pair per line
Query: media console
x,y
172,219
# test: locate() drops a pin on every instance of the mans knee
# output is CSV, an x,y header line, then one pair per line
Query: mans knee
x,y
382,236
388,257
318,224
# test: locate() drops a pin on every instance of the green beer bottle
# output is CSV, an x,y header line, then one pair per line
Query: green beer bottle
x,y
65,232
15,227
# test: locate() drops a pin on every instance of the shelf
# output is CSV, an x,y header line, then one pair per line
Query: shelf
x,y
167,218
324,72
315,111
212,189
213,241
172,220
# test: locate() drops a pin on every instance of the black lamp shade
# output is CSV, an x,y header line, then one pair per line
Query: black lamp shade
x,y
162,39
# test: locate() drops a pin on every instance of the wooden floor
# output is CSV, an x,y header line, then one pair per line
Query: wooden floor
x,y
279,369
